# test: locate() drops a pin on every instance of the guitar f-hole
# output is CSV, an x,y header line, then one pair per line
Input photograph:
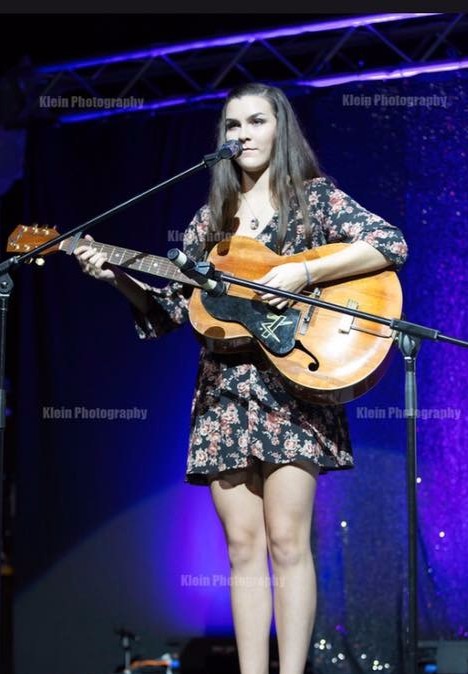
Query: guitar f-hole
x,y
314,365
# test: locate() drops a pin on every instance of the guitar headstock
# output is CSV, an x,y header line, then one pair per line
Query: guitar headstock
x,y
24,239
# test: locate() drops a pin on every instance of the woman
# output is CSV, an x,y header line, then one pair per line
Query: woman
x,y
258,448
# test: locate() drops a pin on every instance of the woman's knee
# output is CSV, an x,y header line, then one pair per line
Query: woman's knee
x,y
287,547
245,545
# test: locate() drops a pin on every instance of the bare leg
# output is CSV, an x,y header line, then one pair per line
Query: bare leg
x,y
289,493
238,501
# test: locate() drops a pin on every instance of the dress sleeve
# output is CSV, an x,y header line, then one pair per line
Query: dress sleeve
x,y
168,306
346,221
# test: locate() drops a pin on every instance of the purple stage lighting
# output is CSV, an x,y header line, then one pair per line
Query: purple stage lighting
x,y
389,74
287,31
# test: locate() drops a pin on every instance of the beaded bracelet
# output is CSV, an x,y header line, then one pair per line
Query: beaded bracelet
x,y
309,278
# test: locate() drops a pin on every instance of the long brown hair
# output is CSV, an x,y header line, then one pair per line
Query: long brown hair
x,y
292,161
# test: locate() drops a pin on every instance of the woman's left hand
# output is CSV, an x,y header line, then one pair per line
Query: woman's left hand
x,y
290,276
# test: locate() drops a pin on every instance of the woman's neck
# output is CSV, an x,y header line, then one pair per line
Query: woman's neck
x,y
256,184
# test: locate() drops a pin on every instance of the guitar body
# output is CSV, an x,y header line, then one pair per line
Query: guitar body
x,y
331,358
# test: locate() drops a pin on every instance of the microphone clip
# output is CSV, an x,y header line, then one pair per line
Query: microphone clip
x,y
212,283
207,271
211,159
202,272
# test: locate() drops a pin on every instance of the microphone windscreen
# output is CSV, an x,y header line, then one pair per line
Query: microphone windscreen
x,y
230,150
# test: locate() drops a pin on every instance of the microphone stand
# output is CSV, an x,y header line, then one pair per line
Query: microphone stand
x,y
228,150
409,340
208,161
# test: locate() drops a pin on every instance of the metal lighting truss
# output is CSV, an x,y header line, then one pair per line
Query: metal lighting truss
x,y
316,54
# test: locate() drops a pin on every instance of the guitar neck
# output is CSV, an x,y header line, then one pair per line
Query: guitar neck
x,y
133,259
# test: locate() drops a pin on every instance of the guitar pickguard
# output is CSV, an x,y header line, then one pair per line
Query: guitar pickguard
x,y
276,330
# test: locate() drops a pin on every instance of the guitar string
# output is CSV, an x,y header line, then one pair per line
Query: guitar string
x,y
144,261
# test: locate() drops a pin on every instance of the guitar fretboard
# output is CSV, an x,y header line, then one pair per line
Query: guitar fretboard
x,y
134,259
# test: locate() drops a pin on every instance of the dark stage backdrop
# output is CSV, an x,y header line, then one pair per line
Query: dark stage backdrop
x,y
107,533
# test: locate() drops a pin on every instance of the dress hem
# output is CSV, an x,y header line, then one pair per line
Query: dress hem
x,y
203,479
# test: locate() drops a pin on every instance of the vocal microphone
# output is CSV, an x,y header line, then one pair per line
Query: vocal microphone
x,y
198,272
228,150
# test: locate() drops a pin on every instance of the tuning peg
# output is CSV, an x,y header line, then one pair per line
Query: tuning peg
x,y
39,261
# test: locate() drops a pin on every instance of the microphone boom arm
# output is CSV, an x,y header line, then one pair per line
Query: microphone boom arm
x,y
228,150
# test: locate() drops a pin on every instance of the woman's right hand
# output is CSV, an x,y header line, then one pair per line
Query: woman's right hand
x,y
93,263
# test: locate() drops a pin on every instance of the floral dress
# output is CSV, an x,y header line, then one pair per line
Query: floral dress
x,y
242,412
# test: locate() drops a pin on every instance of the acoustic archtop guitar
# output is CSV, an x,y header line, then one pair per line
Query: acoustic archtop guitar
x,y
325,357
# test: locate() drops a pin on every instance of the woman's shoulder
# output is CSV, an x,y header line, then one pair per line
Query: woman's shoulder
x,y
318,191
202,215
197,229
321,183
200,221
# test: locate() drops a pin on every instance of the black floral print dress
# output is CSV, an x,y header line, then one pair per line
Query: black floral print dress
x,y
241,411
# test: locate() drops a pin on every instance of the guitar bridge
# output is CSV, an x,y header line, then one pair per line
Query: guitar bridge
x,y
347,321
347,324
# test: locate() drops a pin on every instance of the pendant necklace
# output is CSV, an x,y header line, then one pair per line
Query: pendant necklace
x,y
254,221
